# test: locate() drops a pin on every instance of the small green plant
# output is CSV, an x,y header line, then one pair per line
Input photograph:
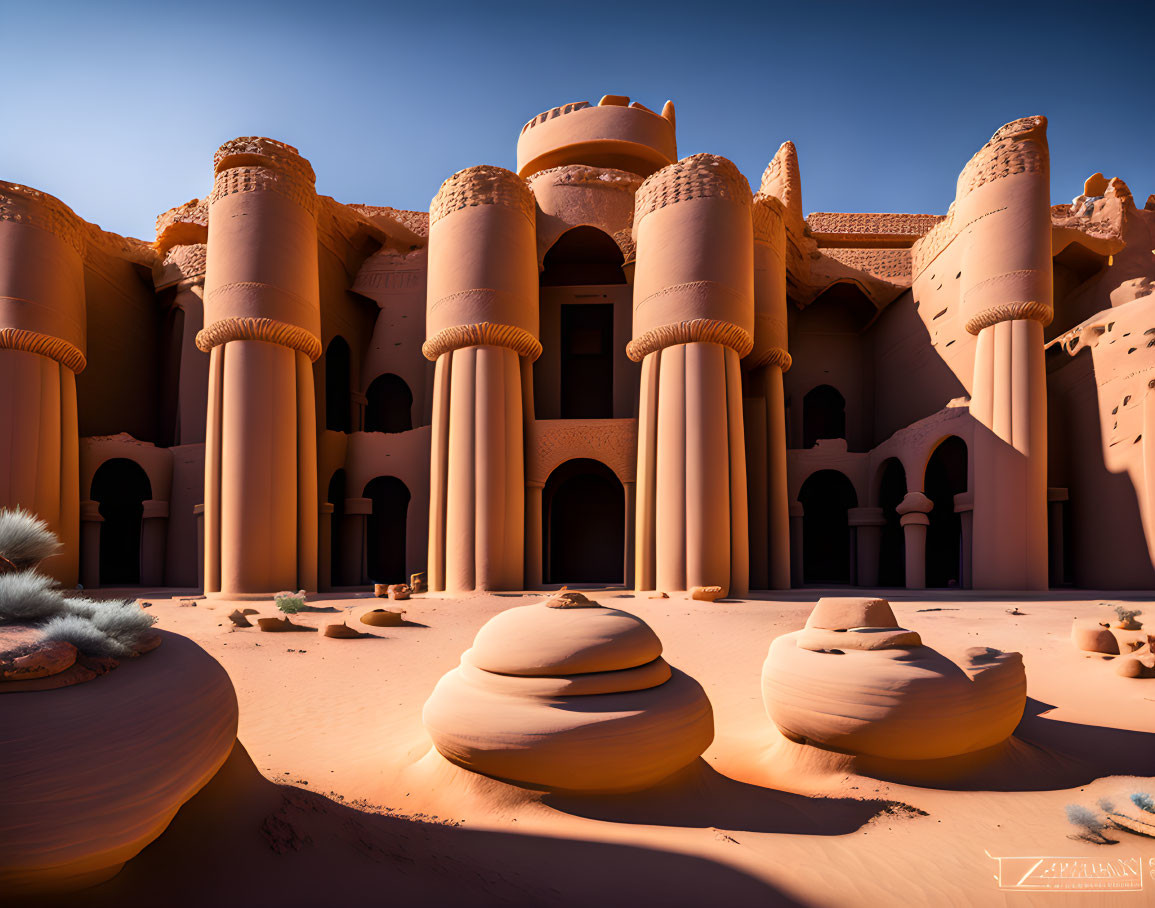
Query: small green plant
x,y
25,540
290,603
1127,617
1090,823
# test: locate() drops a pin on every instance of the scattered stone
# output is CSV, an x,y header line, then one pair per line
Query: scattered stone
x,y
37,660
238,618
381,590
417,582
281,624
706,593
660,596
399,592
381,617
342,631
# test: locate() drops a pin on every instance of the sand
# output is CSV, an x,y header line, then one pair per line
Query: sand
x,y
334,795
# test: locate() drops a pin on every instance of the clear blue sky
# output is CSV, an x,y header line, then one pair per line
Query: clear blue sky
x,y
117,107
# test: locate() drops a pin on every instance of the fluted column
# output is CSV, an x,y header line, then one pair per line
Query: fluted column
x,y
913,513
481,320
771,357
42,348
693,321
534,566
262,330
153,536
1004,192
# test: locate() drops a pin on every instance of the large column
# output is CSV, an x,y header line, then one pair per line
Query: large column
x,y
262,326
481,320
90,521
771,357
153,536
913,513
964,506
693,321
42,348
797,526
1002,213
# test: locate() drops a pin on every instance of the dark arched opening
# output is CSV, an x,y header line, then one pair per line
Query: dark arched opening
x,y
338,413
385,545
823,415
826,496
583,524
946,476
583,255
892,545
336,497
121,486
390,405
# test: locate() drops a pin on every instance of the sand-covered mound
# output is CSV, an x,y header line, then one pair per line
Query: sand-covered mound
x,y
853,681
94,772
568,695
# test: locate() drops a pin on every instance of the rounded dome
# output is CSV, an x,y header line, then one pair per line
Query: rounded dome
x,y
567,695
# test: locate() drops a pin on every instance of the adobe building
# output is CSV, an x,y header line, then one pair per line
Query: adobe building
x,y
610,366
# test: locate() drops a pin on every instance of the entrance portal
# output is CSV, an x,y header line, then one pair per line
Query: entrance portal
x,y
385,548
826,497
121,486
583,524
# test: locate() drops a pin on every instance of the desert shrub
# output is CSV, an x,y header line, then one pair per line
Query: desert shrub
x,y
1089,822
290,603
123,620
1143,801
84,635
29,596
1106,805
25,539
1127,616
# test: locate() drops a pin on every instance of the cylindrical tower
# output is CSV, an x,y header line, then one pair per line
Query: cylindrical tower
x,y
42,347
693,321
1001,215
481,319
768,360
262,319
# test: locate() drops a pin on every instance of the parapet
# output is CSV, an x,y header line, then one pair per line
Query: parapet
x,y
614,134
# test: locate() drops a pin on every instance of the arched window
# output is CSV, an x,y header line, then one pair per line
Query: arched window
x,y
826,497
390,405
823,415
121,486
892,544
583,524
583,255
338,413
946,476
385,543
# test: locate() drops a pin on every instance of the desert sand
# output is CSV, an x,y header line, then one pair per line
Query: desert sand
x,y
334,794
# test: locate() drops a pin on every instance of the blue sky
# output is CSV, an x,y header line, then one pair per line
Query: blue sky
x,y
117,107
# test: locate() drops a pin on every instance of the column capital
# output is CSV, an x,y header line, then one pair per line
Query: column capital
x,y
915,502
358,507
866,517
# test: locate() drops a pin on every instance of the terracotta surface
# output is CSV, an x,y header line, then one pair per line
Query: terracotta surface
x,y
569,696
123,752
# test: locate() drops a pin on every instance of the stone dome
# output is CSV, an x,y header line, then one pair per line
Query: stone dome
x,y
854,682
569,695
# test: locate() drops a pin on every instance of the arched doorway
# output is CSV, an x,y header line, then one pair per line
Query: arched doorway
x,y
390,405
892,545
385,543
338,412
826,496
583,524
336,497
121,487
823,415
946,476
585,256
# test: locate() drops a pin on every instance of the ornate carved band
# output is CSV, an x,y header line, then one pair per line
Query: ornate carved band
x,y
262,329
700,176
264,179
1025,309
51,347
261,152
1018,147
484,334
775,356
768,215
697,330
483,185
25,205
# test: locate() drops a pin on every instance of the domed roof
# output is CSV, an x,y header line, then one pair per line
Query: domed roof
x,y
567,635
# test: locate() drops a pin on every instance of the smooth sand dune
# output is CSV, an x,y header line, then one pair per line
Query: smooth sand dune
x,y
345,801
